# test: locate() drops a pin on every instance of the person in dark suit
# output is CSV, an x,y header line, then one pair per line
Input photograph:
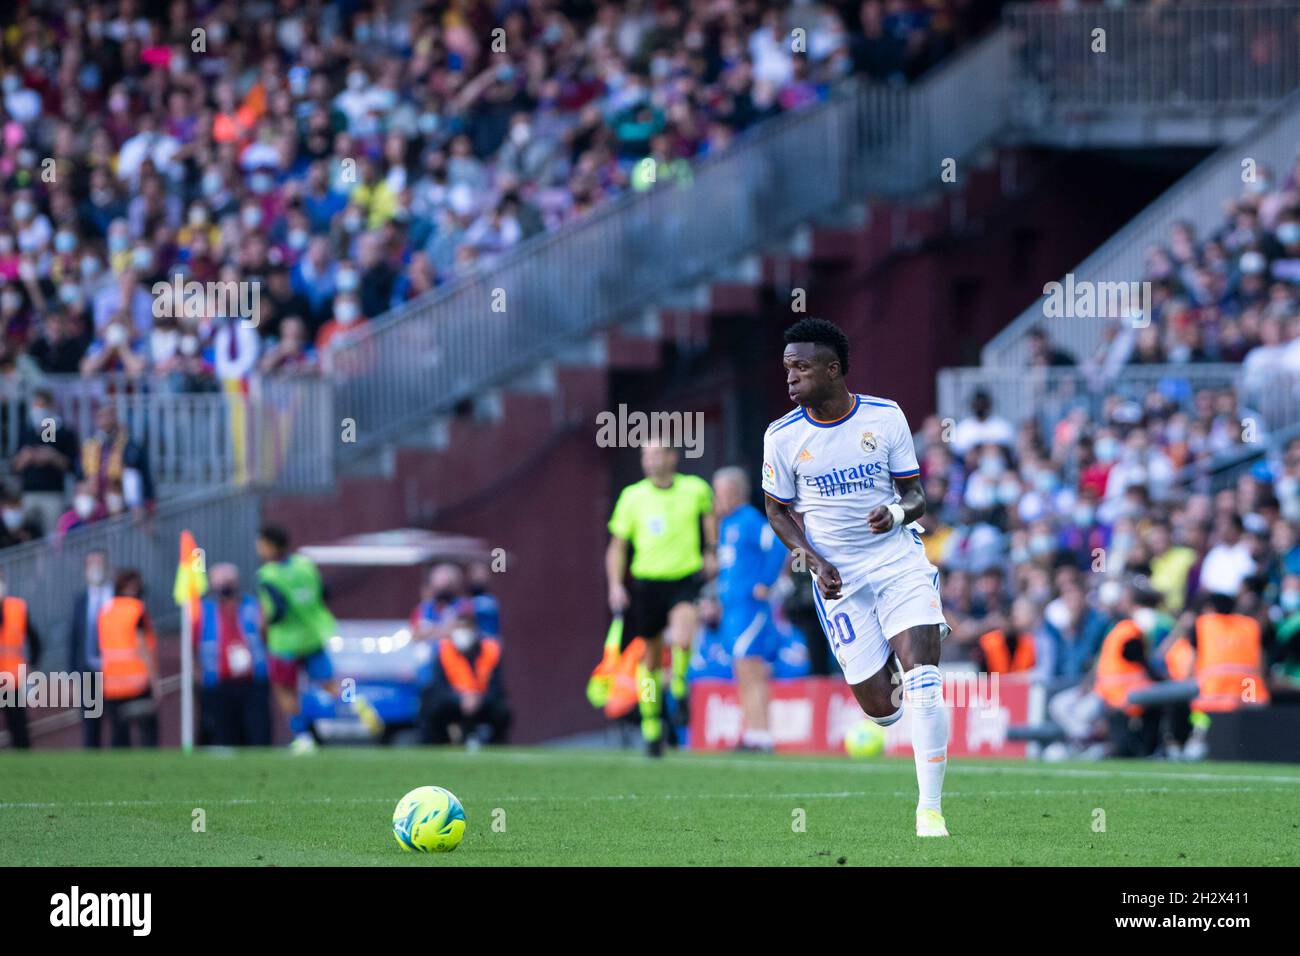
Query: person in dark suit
x,y
83,633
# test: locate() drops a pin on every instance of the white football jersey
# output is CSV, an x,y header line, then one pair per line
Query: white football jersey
x,y
835,474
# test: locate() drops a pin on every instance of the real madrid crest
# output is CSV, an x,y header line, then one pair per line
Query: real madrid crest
x,y
869,443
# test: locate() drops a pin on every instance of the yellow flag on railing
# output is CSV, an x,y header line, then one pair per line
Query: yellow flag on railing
x,y
191,572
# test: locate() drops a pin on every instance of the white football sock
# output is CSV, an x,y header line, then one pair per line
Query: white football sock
x,y
923,693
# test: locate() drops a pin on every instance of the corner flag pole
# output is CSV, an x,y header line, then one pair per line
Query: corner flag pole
x,y
187,676
191,584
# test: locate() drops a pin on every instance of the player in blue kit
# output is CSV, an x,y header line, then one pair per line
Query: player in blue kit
x,y
749,563
845,464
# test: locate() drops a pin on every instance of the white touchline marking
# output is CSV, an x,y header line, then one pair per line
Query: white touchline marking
x,y
620,797
958,765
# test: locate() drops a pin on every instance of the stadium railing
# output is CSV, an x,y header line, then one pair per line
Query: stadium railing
x,y
1197,198
1174,73
48,573
611,265
280,433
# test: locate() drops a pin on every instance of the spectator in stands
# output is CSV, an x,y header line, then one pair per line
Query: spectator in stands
x,y
1229,562
234,695
465,701
486,609
46,459
83,633
128,652
86,509
20,647
1043,353
110,454
1123,666
982,427
292,353
17,526
1012,649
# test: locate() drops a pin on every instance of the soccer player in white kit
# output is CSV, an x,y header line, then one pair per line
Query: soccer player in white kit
x,y
845,464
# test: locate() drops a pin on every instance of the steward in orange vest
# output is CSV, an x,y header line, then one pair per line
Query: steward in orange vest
x,y
1229,659
128,652
465,701
19,645
1003,652
1122,667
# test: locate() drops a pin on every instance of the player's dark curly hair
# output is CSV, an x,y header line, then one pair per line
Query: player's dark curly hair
x,y
821,332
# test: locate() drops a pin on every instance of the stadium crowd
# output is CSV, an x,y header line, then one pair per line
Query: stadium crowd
x,y
351,157
344,158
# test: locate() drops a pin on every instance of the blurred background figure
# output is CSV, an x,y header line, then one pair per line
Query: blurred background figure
x,y
128,651
234,695
465,701
83,633
20,649
750,561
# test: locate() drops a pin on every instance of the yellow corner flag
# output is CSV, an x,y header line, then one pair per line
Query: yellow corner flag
x,y
191,572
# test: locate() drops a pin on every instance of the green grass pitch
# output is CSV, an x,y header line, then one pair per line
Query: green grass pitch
x,y
563,807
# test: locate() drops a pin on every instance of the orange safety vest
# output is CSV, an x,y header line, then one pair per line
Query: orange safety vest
x,y
1117,677
999,660
13,636
456,666
126,669
1180,659
619,669
1229,659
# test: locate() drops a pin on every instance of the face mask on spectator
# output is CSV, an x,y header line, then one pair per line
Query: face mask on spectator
x,y
118,242
1146,619
1045,481
1253,263
520,133
69,293
114,503
1288,233
298,239
211,183
89,267
95,575
261,182
346,312
11,83
13,519
462,638
356,80
115,336
198,216
84,506
251,217
992,466
1083,516
352,222
117,103
11,301
23,209
1107,449
6,244
142,258
1290,601
1041,544
347,280
64,242
189,346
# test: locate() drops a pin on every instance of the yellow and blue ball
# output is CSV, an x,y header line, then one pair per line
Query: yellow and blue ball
x,y
430,820
866,738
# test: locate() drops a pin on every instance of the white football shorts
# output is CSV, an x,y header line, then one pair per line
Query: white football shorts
x,y
859,625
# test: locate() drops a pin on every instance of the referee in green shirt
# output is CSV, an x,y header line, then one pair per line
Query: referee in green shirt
x,y
669,521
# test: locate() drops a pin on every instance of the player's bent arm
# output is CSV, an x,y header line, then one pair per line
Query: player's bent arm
x,y
912,495
615,560
787,529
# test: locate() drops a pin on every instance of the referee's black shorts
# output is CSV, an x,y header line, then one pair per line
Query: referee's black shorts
x,y
649,601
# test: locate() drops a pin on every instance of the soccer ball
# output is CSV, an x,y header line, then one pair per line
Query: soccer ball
x,y
429,819
866,738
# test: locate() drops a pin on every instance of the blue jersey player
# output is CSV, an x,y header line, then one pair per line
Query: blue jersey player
x,y
750,560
